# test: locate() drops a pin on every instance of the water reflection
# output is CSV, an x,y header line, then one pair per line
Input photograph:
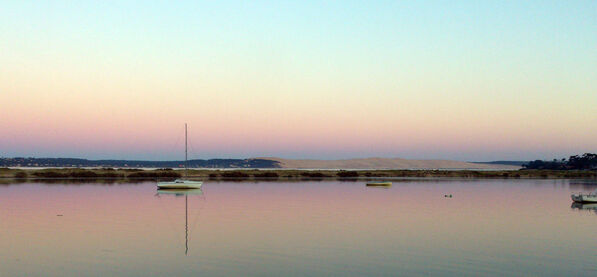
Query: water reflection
x,y
325,228
181,193
583,206
583,184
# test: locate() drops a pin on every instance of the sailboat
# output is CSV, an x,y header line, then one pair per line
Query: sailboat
x,y
182,183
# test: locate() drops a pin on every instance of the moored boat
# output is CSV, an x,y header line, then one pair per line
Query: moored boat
x,y
182,183
379,184
585,198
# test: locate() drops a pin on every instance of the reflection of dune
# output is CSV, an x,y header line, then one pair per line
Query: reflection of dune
x,y
386,163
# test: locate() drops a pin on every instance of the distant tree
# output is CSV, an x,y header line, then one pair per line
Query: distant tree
x,y
539,164
586,161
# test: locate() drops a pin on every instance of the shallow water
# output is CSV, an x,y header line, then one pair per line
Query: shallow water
x,y
489,227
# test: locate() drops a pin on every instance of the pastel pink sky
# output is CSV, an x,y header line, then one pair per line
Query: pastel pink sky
x,y
471,82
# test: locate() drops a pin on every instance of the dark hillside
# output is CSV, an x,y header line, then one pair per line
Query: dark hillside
x,y
73,162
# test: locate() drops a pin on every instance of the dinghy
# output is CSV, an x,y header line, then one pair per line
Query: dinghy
x,y
379,184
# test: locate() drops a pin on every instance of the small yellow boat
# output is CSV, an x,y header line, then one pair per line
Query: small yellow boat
x,y
379,184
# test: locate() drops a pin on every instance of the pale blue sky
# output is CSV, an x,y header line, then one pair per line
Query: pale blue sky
x,y
489,79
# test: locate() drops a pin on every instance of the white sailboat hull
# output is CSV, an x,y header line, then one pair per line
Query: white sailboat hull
x,y
584,198
180,184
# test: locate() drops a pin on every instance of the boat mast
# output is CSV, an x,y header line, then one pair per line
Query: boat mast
x,y
185,150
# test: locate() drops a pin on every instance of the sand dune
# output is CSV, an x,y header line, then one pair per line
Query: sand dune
x,y
385,163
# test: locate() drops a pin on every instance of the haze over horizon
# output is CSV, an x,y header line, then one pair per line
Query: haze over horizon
x,y
456,80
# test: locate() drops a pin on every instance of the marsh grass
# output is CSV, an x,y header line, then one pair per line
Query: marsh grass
x,y
286,175
21,175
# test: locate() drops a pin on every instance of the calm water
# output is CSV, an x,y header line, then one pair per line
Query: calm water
x,y
489,227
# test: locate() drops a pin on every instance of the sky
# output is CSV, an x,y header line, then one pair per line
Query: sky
x,y
461,80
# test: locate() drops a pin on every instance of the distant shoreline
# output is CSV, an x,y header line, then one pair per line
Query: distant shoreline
x,y
262,163
282,174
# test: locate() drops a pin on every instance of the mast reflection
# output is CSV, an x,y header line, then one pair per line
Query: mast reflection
x,y
181,193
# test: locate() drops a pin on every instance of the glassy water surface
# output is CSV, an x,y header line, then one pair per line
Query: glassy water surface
x,y
489,227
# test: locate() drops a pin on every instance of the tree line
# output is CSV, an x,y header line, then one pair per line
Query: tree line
x,y
196,163
587,161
